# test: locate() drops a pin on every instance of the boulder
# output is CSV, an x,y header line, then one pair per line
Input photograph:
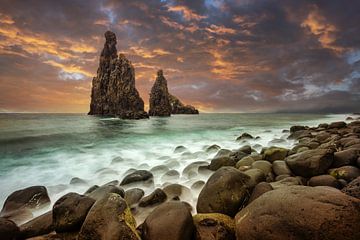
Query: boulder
x,y
8,229
286,182
180,149
256,176
345,157
176,191
300,212
109,218
159,102
217,163
40,225
246,149
264,166
133,196
171,220
77,181
311,162
137,176
238,155
323,180
246,161
102,191
337,125
296,128
177,107
113,89
244,136
213,148
214,226
259,190
69,212
275,153
215,198
348,173
156,197
30,198
223,153
353,188
281,168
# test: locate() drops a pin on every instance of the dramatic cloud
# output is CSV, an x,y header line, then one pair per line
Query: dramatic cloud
x,y
219,55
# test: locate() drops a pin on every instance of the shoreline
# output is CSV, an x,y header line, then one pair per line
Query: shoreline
x,y
247,173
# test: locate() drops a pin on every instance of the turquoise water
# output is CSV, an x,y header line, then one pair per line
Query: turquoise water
x,y
51,149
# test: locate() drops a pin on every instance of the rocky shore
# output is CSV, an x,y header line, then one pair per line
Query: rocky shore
x,y
309,191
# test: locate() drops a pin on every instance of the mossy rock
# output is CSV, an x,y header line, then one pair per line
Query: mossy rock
x,y
214,226
275,153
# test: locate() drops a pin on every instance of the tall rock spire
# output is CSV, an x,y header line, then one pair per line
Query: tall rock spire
x,y
159,97
113,89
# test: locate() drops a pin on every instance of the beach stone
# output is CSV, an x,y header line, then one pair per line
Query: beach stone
x,y
345,157
281,177
348,173
256,176
213,148
112,183
197,185
246,161
324,180
259,190
300,212
323,125
244,136
353,188
194,167
180,149
91,189
102,191
264,166
223,153
30,198
337,125
137,176
8,229
69,212
173,191
171,220
246,149
133,196
215,198
275,153
238,155
310,163
296,128
217,163
214,226
286,182
40,225
281,168
109,218
156,197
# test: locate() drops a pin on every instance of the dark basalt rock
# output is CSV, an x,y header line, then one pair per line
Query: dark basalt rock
x,y
159,97
156,197
137,176
8,229
40,225
353,188
177,107
113,89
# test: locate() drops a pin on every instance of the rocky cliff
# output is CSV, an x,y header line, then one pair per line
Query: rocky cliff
x,y
113,89
159,97
177,107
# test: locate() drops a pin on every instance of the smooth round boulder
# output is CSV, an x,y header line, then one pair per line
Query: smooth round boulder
x,y
286,182
348,173
8,229
259,190
275,153
256,176
69,212
221,162
281,168
133,196
100,192
109,218
156,197
40,225
300,212
213,148
345,157
311,162
176,191
33,197
263,165
180,149
246,161
244,136
214,226
323,180
171,220
353,188
246,149
223,153
339,124
225,192
137,176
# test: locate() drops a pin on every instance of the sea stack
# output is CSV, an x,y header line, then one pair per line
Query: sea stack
x,y
113,89
177,107
159,97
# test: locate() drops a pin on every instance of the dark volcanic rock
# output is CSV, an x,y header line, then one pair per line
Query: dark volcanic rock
x,y
300,212
133,196
69,212
177,107
156,197
100,192
113,89
28,198
353,188
8,229
225,192
221,162
171,220
159,97
137,176
40,225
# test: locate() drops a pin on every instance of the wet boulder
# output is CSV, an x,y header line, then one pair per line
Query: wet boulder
x,y
337,125
300,212
311,162
109,218
215,198
324,180
256,176
244,136
217,163
353,188
296,128
137,176
69,212
8,229
214,226
346,157
246,161
275,153
40,225
259,190
133,196
223,153
213,148
100,192
171,220
264,166
281,168
156,197
176,191
348,173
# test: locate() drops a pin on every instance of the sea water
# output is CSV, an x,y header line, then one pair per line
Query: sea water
x,y
51,149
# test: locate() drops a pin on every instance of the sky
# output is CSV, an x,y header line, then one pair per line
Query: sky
x,y
218,55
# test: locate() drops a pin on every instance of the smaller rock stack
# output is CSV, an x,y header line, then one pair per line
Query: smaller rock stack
x,y
177,107
159,97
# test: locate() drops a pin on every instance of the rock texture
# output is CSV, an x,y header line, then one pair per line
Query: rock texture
x,y
177,107
159,97
113,89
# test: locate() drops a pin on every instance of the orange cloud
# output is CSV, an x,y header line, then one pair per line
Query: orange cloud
x,y
69,68
145,53
221,30
187,13
167,21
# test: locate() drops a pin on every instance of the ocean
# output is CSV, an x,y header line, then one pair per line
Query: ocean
x,y
51,149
